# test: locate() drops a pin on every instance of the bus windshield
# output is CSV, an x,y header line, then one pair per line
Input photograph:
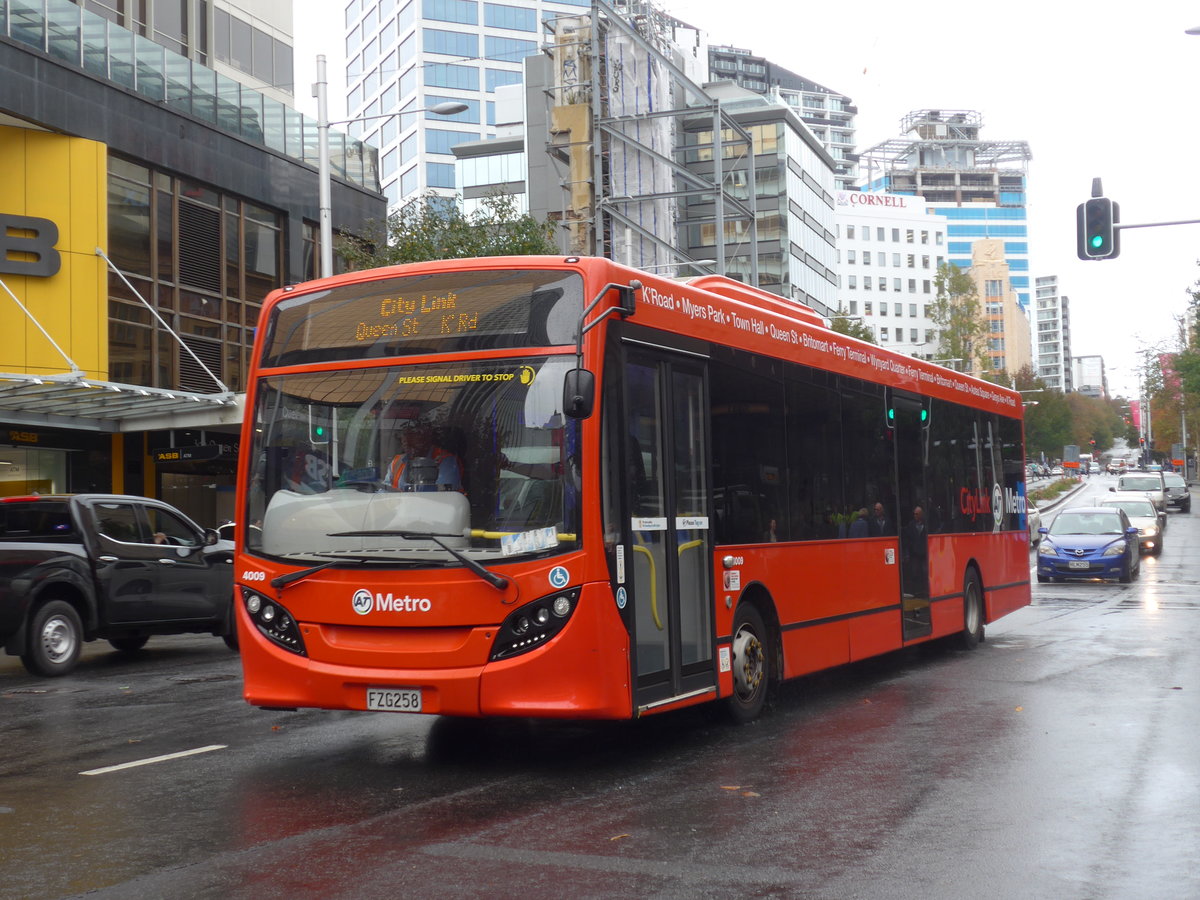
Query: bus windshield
x,y
401,463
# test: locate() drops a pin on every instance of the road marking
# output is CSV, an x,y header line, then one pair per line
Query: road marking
x,y
154,759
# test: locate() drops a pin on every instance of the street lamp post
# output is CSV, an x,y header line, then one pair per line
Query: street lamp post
x,y
324,179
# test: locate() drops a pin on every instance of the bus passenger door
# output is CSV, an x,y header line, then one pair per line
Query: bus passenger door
x,y
909,418
667,533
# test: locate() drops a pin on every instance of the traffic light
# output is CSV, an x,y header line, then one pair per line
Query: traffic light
x,y
318,428
1096,234
1093,443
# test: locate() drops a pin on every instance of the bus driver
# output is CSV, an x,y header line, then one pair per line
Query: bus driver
x,y
419,445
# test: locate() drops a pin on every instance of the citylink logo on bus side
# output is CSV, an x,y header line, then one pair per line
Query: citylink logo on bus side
x,y
1003,501
364,601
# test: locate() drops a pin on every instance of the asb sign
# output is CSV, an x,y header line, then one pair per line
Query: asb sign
x,y
27,246
53,216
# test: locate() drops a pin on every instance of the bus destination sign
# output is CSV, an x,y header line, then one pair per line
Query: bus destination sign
x,y
425,315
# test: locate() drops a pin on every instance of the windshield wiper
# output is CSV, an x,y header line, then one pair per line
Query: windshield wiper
x,y
284,580
499,582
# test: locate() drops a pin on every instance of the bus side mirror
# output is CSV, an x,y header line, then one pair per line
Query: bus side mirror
x,y
579,393
627,298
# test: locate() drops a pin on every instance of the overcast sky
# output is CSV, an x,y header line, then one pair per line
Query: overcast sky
x,y
1110,95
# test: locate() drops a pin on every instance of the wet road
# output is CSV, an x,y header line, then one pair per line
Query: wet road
x,y
1058,760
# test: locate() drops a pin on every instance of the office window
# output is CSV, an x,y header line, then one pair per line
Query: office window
x,y
896,260
850,257
463,12
508,49
451,43
852,282
496,15
445,75
439,175
440,141
896,284
896,235
879,232
867,308
850,232
500,77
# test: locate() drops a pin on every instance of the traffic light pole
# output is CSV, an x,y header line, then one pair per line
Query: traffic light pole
x,y
1098,226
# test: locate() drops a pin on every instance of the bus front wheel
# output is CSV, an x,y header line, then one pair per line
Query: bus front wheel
x,y
751,665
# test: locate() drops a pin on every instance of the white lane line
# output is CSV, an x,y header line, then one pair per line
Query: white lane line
x,y
154,759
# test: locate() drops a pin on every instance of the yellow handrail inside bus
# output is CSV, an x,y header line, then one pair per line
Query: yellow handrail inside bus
x,y
689,545
637,548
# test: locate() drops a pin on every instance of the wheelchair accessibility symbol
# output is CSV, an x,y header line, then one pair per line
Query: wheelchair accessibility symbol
x,y
559,577
622,598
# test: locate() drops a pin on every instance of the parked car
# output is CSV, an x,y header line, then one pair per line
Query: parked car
x,y
1089,542
1177,491
1149,483
1094,468
82,567
1057,470
1143,516
1034,518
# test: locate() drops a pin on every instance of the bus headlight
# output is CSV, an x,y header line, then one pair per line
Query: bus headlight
x,y
274,622
533,624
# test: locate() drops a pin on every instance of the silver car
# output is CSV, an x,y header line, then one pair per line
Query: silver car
x,y
1142,514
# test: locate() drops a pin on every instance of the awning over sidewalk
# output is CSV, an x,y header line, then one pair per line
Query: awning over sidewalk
x,y
73,400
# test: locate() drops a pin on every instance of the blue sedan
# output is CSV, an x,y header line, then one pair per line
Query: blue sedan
x,y
1089,542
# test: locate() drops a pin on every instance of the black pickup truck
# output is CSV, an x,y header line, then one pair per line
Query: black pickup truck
x,y
78,567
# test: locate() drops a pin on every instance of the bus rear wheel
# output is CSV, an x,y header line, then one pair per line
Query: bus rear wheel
x,y
972,632
751,665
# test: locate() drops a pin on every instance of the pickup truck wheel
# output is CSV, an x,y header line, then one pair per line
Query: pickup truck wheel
x,y
55,639
129,644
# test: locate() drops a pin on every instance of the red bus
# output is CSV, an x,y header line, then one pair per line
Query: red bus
x,y
559,487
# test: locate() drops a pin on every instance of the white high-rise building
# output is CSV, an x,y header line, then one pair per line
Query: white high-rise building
x,y
409,56
1052,338
889,250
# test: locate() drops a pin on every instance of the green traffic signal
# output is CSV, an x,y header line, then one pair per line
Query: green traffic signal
x,y
1096,234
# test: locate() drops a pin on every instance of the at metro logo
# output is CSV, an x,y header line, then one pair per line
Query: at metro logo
x,y
28,236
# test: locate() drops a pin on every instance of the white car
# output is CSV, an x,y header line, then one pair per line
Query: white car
x,y
1149,483
1034,518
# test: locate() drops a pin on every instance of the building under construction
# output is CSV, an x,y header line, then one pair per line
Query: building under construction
x,y
978,185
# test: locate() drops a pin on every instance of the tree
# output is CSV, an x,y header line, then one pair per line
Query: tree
x,y
435,227
852,326
962,332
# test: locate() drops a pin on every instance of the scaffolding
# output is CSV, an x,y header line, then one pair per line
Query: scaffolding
x,y
944,160
618,108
